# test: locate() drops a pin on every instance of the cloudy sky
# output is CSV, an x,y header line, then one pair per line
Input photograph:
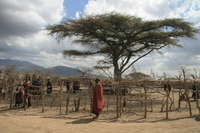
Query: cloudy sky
x,y
22,36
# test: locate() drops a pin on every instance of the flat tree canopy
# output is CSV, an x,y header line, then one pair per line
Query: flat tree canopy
x,y
121,39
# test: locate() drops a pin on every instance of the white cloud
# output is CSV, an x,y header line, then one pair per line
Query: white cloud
x,y
21,25
19,18
173,59
21,36
147,9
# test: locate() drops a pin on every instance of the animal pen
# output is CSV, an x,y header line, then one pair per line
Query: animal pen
x,y
134,97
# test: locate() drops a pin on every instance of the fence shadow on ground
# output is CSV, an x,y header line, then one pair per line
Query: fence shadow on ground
x,y
81,121
5,109
197,118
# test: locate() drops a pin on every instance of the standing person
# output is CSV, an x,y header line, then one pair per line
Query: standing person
x,y
67,85
19,95
74,87
29,96
49,86
29,93
98,101
194,91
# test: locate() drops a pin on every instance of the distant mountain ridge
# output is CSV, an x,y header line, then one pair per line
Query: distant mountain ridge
x,y
25,66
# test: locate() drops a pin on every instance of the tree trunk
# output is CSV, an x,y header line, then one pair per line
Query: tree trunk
x,y
118,78
118,111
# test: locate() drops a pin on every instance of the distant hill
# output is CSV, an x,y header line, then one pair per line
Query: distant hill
x,y
65,71
21,64
25,66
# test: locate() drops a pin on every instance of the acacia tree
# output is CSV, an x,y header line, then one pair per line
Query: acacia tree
x,y
105,69
121,39
84,70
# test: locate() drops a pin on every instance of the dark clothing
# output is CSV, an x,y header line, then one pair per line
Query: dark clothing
x,y
29,95
98,101
194,91
167,86
36,88
29,99
19,97
67,86
75,86
49,87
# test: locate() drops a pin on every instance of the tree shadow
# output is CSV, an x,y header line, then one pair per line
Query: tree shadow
x,y
197,118
5,109
175,119
62,117
146,120
81,121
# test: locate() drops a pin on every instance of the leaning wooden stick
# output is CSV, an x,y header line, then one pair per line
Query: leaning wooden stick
x,y
145,107
61,92
167,101
42,94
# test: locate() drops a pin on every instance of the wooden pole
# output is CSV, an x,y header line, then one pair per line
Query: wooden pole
x,y
145,108
120,101
61,92
11,94
42,94
167,101
141,98
91,97
54,98
172,91
179,100
108,101
186,93
42,98
67,104
197,98
25,90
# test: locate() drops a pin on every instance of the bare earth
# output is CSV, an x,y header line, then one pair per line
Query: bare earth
x,y
16,120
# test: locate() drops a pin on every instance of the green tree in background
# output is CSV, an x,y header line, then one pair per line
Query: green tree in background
x,y
121,39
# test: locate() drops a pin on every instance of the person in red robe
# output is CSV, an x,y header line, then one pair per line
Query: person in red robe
x,y
98,100
19,95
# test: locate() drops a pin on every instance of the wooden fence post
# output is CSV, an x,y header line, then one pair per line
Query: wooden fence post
x,y
167,101
145,106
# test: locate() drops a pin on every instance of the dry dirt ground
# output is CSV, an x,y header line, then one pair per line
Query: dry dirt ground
x,y
32,120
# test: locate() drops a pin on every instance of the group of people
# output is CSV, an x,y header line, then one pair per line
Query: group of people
x,y
27,90
21,93
97,102
75,87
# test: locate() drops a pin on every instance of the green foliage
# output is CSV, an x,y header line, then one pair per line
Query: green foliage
x,y
137,76
122,37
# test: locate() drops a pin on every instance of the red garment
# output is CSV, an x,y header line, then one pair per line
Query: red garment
x,y
19,97
98,101
29,98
